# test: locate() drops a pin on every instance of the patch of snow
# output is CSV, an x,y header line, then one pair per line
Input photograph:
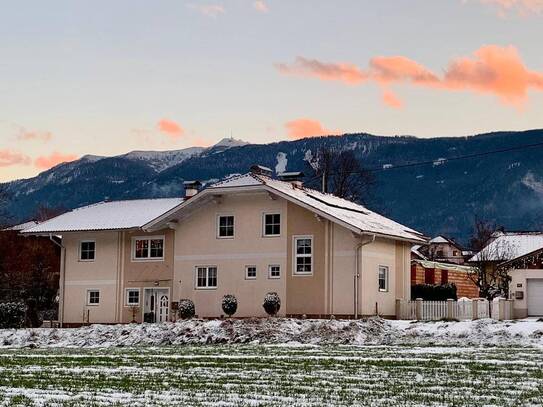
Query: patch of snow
x,y
387,166
371,331
531,182
439,161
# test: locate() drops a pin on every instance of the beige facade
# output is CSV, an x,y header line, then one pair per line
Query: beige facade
x,y
112,272
520,292
335,284
197,245
328,289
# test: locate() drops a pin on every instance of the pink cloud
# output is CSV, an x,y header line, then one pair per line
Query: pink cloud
x,y
347,73
46,162
391,100
491,69
304,127
521,7
170,128
9,158
261,6
209,10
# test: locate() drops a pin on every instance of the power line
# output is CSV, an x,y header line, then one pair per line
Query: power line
x,y
433,162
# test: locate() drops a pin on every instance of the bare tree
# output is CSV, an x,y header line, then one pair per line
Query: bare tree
x,y
491,279
342,174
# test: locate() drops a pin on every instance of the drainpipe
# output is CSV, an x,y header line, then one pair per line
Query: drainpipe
x,y
358,256
62,278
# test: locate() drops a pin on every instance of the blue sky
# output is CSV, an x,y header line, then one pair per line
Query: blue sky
x,y
101,77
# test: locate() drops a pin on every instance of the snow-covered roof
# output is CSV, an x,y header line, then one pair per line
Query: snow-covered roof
x,y
112,215
510,245
439,239
23,226
345,212
416,250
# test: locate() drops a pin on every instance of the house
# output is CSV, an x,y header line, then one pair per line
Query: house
x,y
521,254
247,235
433,272
518,253
445,250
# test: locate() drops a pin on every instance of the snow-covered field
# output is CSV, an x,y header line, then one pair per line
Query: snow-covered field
x,y
276,362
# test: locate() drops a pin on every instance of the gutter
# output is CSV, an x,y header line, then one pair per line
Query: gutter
x,y
62,281
358,270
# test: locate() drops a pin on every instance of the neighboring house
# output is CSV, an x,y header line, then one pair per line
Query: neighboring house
x,y
445,250
521,253
526,286
433,272
247,235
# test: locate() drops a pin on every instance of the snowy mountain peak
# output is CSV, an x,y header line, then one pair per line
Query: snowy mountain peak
x,y
161,160
229,142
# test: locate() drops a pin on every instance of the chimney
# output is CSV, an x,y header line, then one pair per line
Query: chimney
x,y
191,188
261,170
294,177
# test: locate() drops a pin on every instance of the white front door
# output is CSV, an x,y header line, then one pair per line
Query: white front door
x,y
534,296
157,305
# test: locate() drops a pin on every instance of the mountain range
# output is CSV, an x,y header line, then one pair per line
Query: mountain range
x,y
455,180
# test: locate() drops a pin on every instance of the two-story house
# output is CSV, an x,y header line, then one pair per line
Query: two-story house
x,y
247,236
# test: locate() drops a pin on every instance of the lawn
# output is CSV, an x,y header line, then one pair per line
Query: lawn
x,y
253,375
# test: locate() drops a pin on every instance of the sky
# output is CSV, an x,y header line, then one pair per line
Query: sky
x,y
108,77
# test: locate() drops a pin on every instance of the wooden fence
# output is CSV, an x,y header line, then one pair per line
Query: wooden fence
x,y
501,309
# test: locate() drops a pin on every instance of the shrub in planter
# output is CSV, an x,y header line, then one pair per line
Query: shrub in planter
x,y
272,303
12,315
186,309
229,304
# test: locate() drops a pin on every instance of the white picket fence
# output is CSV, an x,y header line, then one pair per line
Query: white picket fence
x,y
460,310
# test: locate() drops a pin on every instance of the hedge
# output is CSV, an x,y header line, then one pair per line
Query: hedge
x,y
431,292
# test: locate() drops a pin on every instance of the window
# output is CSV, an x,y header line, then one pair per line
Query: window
x,y
439,253
132,296
225,226
272,224
148,248
303,249
429,276
274,271
444,276
206,277
93,297
87,250
456,253
383,278
250,272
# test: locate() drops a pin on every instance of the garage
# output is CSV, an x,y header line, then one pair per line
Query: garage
x,y
534,296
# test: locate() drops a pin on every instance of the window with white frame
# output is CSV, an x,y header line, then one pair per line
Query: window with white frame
x,y
148,248
383,278
206,277
225,226
87,250
132,296
272,224
303,255
274,271
93,297
250,272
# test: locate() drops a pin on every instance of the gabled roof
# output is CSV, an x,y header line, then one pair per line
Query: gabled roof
x,y
114,215
349,214
510,245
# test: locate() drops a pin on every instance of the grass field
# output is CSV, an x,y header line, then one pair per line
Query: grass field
x,y
273,375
